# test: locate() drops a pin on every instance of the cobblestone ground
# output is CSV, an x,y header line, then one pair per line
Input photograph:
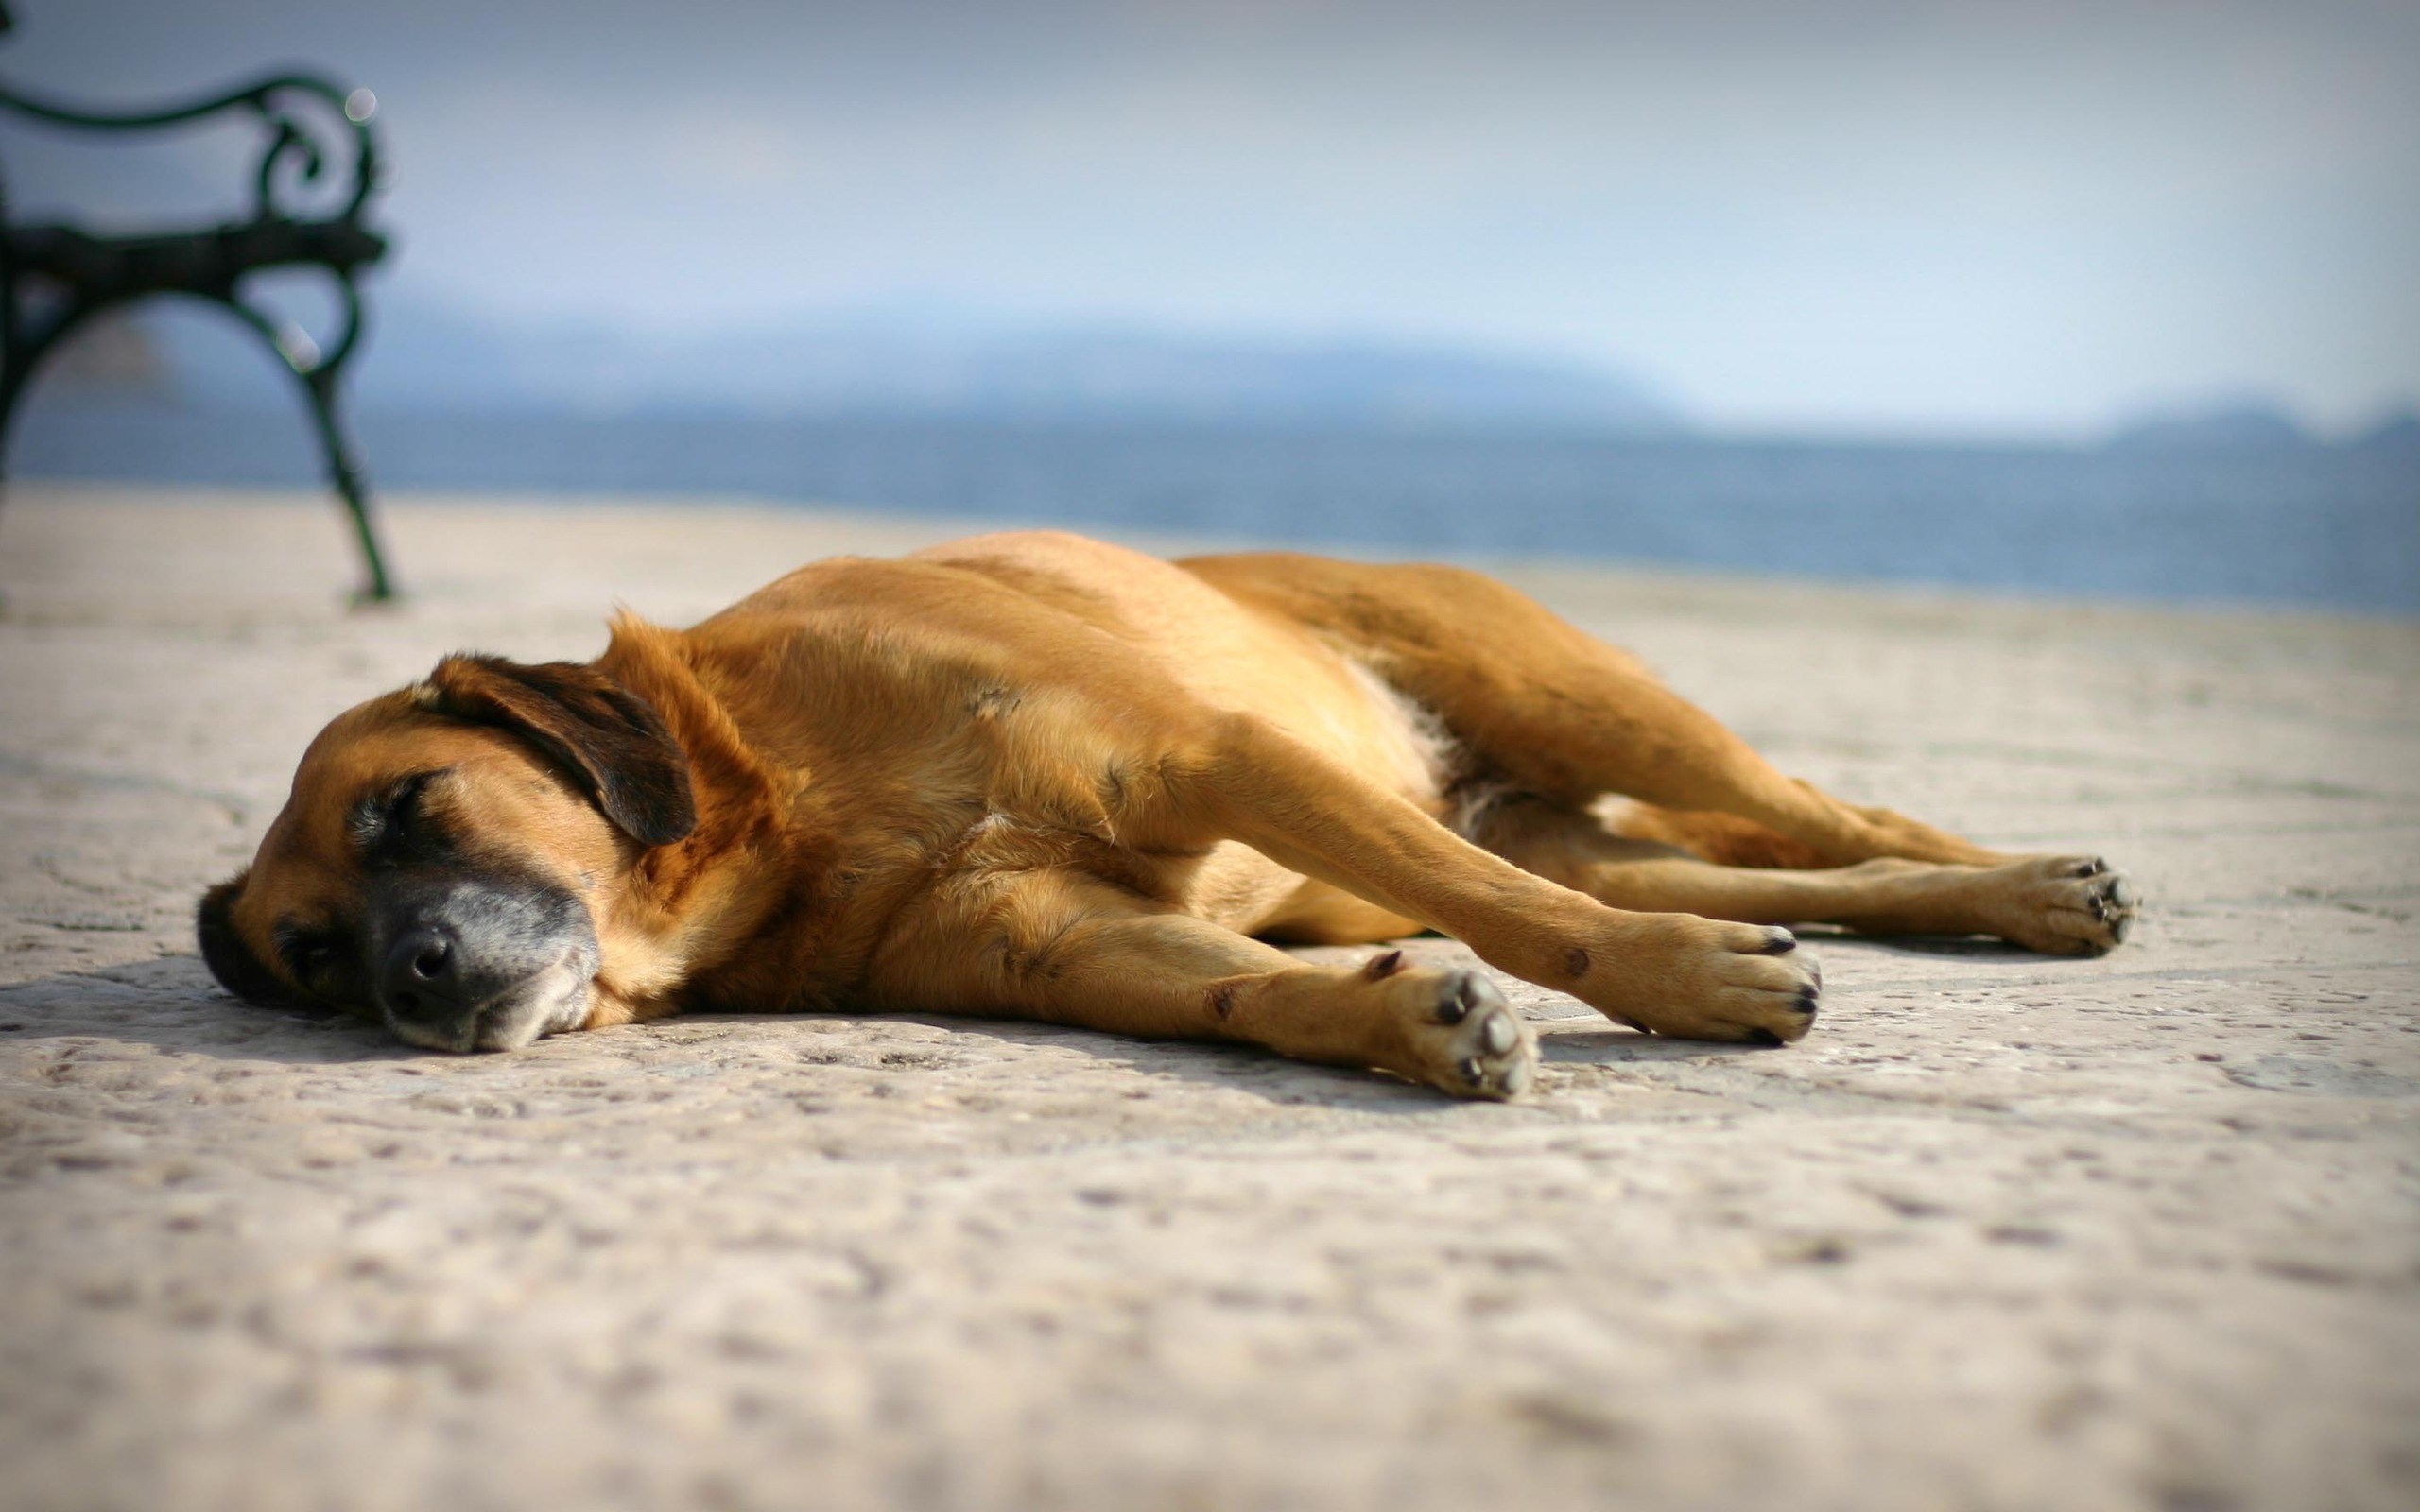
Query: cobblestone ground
x,y
2004,1232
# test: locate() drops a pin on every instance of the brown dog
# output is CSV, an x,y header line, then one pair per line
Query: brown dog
x,y
1039,776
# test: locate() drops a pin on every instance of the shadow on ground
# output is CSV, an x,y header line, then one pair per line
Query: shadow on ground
x,y
172,1004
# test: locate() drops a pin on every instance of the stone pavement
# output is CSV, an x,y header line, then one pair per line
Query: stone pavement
x,y
2004,1232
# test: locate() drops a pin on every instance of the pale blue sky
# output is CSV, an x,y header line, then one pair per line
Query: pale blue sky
x,y
1949,218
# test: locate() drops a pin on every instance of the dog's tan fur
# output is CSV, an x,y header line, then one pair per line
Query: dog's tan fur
x,y
1038,776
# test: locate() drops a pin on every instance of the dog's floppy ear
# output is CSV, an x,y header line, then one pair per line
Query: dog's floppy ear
x,y
224,952
602,732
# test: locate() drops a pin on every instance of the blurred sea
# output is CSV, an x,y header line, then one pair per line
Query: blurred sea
x,y
2321,525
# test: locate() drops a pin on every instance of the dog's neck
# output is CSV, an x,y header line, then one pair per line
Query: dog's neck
x,y
685,909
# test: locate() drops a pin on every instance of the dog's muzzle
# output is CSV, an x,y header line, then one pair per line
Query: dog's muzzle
x,y
481,965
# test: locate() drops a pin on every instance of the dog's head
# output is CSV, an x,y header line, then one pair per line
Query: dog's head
x,y
442,859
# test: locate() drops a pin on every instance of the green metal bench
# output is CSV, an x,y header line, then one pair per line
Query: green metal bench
x,y
54,278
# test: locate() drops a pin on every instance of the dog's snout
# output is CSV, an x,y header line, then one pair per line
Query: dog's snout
x,y
420,972
487,962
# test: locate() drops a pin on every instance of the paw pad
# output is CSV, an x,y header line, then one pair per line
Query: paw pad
x,y
1484,1049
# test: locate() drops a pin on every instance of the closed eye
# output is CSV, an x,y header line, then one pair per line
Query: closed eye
x,y
390,819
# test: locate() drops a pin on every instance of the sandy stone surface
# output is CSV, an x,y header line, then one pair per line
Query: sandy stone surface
x,y
2004,1232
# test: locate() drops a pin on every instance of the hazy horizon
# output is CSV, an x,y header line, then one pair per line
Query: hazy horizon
x,y
1859,218
909,360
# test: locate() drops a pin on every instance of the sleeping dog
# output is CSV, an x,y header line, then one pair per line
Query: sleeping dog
x,y
1037,775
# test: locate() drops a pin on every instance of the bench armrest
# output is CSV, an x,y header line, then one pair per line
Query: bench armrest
x,y
297,138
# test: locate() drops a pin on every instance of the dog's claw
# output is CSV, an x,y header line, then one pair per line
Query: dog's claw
x,y
1497,1034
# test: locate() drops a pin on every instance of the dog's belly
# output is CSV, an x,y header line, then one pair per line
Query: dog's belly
x,y
1387,738
1390,739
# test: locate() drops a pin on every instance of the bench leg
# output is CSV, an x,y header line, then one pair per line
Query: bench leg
x,y
322,380
16,364
319,390
344,475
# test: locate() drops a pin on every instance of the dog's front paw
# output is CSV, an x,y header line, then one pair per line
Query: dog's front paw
x,y
1458,1033
1698,978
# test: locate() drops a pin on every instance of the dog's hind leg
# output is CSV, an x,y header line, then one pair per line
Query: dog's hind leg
x,y
1237,777
1066,947
1557,712
2061,906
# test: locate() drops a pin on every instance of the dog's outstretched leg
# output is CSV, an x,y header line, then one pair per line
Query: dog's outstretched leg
x,y
1066,947
2059,905
1557,715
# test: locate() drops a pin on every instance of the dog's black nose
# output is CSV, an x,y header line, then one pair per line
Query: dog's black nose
x,y
420,973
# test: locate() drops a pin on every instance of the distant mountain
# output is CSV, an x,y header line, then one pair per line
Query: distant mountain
x,y
2233,424
2397,434
425,357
